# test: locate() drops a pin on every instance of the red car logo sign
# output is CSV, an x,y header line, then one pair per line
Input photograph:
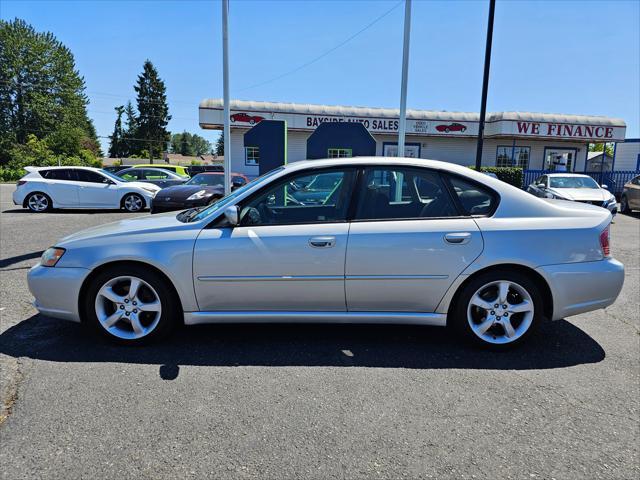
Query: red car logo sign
x,y
452,127
246,118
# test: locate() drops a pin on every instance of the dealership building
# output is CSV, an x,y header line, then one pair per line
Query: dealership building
x,y
529,140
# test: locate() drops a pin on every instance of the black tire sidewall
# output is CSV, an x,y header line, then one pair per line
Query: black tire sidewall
x,y
624,205
49,202
124,199
458,312
170,305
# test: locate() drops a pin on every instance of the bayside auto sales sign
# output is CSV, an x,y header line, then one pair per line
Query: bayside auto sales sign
x,y
213,118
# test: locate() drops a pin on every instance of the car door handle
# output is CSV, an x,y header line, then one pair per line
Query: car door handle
x,y
457,238
322,242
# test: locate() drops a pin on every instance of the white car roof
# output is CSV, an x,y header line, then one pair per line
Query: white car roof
x,y
567,175
37,169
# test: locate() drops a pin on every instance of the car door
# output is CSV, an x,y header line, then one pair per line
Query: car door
x,y
633,194
286,255
62,186
96,190
408,241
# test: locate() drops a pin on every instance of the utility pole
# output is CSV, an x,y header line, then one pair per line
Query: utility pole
x,y
485,83
227,109
402,124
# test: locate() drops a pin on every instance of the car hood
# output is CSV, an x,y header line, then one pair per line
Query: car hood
x,y
131,226
181,192
582,194
143,185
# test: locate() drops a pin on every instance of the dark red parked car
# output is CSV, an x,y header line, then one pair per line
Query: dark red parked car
x,y
452,127
246,118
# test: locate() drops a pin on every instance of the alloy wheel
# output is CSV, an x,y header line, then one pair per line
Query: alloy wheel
x,y
500,312
133,203
38,202
127,307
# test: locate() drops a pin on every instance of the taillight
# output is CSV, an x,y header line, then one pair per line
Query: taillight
x,y
21,182
605,242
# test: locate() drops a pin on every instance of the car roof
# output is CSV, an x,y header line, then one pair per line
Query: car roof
x,y
147,168
214,172
567,175
37,169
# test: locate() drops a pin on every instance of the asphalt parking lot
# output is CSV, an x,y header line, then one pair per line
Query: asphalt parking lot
x,y
312,401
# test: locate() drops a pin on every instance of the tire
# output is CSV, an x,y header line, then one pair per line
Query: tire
x,y
446,129
475,317
148,315
624,205
133,203
39,202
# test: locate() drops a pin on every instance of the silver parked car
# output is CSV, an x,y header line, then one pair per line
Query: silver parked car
x,y
574,187
405,241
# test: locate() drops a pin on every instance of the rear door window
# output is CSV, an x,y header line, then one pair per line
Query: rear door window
x,y
389,193
59,174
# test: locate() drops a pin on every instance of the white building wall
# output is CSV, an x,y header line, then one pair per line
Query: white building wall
x,y
627,155
461,151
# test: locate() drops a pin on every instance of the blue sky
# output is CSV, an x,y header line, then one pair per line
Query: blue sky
x,y
562,57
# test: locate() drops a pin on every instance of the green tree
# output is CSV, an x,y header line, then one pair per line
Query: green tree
x,y
41,94
220,146
117,141
130,130
200,145
153,111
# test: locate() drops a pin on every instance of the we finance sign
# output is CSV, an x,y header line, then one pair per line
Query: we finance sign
x,y
568,130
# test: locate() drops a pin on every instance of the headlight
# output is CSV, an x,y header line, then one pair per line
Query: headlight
x,y
51,256
612,200
200,194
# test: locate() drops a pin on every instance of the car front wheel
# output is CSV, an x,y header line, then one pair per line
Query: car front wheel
x,y
132,202
130,305
498,309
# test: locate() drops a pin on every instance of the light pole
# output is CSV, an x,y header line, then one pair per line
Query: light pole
x,y
402,124
485,83
225,87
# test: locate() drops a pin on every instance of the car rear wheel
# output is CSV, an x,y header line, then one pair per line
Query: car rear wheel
x,y
131,305
39,202
498,309
132,202
624,205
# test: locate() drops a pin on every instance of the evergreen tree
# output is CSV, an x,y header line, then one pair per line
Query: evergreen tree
x,y
153,111
220,146
41,93
117,142
200,145
131,127
185,145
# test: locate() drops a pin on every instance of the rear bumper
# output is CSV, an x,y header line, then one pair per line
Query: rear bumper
x,y
584,286
56,290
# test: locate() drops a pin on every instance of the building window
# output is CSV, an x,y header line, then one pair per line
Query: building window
x,y
339,153
559,159
520,156
252,156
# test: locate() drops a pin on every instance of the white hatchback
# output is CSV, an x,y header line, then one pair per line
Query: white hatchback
x,y
45,188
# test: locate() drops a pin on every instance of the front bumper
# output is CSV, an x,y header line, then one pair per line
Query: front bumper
x,y
584,286
56,290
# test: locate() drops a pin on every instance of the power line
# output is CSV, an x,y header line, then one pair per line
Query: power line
x,y
322,55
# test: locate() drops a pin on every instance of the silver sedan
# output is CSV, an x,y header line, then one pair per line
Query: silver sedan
x,y
366,240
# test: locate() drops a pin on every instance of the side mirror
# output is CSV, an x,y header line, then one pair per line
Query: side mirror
x,y
606,187
541,185
231,214
237,184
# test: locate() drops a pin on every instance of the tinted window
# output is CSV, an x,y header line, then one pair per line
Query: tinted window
x,y
207,179
58,174
475,199
304,198
155,175
89,176
389,192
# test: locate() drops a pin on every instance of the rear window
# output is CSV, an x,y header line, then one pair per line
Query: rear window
x,y
475,198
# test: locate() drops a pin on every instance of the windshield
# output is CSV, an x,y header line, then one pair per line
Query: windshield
x,y
209,179
224,201
572,182
112,176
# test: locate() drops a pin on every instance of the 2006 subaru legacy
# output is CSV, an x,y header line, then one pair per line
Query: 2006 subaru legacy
x,y
391,240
